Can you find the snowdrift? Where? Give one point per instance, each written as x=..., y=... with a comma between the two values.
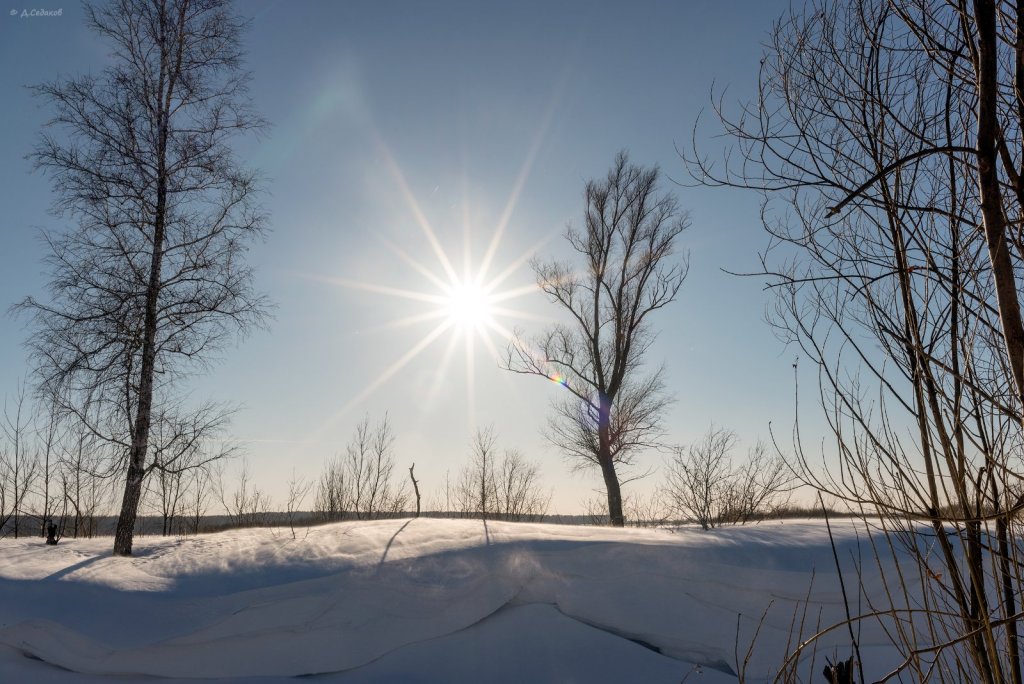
x=425, y=600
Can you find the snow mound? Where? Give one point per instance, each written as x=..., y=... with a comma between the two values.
x=420, y=600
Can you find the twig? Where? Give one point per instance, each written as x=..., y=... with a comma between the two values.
x=842, y=586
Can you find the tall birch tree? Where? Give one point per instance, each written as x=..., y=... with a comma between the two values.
x=151, y=280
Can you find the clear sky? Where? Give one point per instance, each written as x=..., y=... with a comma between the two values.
x=391, y=115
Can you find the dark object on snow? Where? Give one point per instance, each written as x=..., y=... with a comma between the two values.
x=51, y=534
x=415, y=486
x=840, y=673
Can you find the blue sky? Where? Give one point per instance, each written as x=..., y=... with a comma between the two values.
x=463, y=104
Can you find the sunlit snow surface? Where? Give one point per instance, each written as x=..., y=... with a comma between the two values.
x=428, y=601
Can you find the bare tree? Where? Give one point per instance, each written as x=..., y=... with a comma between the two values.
x=18, y=469
x=501, y=486
x=49, y=436
x=475, y=489
x=761, y=485
x=887, y=141
x=179, y=445
x=611, y=410
x=362, y=481
x=169, y=491
x=198, y=494
x=84, y=485
x=521, y=494
x=152, y=282
x=298, y=490
x=697, y=477
x=703, y=483
x=246, y=505
x=333, y=491
x=370, y=461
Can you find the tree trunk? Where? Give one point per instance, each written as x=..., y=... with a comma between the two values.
x=125, y=532
x=143, y=417
x=611, y=478
x=170, y=69
x=995, y=233
x=991, y=197
x=611, y=483
x=416, y=488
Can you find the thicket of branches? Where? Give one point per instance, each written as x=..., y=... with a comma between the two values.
x=887, y=140
x=363, y=482
x=499, y=486
x=245, y=504
x=52, y=469
x=705, y=484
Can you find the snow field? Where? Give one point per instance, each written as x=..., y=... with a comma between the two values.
x=426, y=600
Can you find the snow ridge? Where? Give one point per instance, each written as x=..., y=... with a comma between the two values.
x=407, y=600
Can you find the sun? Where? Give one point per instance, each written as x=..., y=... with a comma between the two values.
x=469, y=306
x=471, y=310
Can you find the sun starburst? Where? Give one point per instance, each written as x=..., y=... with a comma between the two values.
x=471, y=309
x=470, y=305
